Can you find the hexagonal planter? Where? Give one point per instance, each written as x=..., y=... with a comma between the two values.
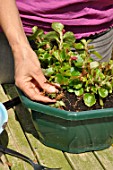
x=73, y=132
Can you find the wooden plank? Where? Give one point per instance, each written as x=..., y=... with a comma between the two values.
x=17, y=140
x=3, y=162
x=105, y=157
x=46, y=156
x=86, y=161
x=3, y=165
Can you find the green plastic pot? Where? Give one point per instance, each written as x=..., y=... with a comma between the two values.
x=73, y=132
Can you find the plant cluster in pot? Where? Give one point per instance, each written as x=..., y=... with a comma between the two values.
x=78, y=121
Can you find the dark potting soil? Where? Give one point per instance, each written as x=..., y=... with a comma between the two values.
x=76, y=104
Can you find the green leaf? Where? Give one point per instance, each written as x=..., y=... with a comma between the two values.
x=84, y=42
x=65, y=73
x=34, y=29
x=74, y=72
x=51, y=36
x=41, y=44
x=79, y=46
x=77, y=85
x=49, y=71
x=72, y=82
x=89, y=99
x=84, y=79
x=96, y=54
x=58, y=27
x=59, y=104
x=56, y=55
x=40, y=51
x=62, y=55
x=101, y=102
x=109, y=85
x=88, y=41
x=79, y=92
x=69, y=37
x=83, y=54
x=94, y=64
x=61, y=79
x=103, y=92
x=65, y=67
x=79, y=61
x=58, y=78
x=94, y=89
x=112, y=82
x=46, y=56
x=87, y=88
x=36, y=32
x=99, y=74
x=70, y=90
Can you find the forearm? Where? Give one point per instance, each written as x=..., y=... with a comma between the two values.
x=11, y=24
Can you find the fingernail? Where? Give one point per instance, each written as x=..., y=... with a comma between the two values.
x=55, y=91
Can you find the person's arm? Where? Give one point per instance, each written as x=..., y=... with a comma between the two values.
x=28, y=74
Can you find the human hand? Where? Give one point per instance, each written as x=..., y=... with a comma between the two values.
x=29, y=77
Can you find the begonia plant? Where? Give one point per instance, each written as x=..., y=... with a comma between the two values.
x=69, y=63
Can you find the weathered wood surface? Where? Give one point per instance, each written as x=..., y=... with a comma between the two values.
x=21, y=135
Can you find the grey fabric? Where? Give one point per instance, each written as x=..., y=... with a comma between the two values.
x=6, y=61
x=102, y=44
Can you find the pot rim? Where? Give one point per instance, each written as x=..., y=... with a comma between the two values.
x=63, y=114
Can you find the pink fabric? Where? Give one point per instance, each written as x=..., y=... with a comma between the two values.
x=83, y=17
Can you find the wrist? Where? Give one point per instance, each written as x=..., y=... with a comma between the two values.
x=24, y=52
x=21, y=52
x=19, y=44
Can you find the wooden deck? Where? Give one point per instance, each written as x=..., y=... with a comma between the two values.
x=21, y=136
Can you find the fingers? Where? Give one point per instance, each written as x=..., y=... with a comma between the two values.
x=45, y=84
x=30, y=79
x=32, y=92
x=54, y=84
x=39, y=97
x=33, y=95
x=49, y=88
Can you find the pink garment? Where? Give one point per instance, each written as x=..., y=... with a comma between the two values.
x=83, y=17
